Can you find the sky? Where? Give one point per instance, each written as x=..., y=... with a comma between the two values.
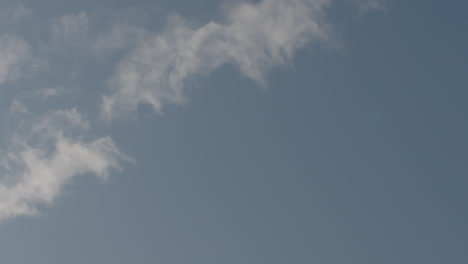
x=224, y=131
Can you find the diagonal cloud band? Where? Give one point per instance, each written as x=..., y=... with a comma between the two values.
x=255, y=38
x=47, y=151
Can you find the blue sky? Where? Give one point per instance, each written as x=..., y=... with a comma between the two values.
x=272, y=131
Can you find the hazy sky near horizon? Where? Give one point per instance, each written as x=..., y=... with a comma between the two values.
x=223, y=131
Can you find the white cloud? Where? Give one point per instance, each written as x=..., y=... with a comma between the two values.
x=45, y=156
x=14, y=54
x=13, y=14
x=255, y=37
x=370, y=5
x=118, y=37
x=17, y=107
x=47, y=93
x=70, y=30
x=48, y=151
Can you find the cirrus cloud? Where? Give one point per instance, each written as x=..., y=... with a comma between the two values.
x=45, y=155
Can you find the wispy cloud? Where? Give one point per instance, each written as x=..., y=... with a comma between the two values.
x=17, y=107
x=45, y=155
x=48, y=149
x=14, y=54
x=70, y=30
x=118, y=36
x=13, y=14
x=369, y=5
x=254, y=37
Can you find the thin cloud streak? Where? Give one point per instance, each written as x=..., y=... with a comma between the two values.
x=45, y=155
x=15, y=53
x=48, y=151
x=254, y=37
x=14, y=14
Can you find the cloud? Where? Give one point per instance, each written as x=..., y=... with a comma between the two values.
x=45, y=155
x=14, y=54
x=254, y=37
x=17, y=107
x=118, y=37
x=13, y=14
x=44, y=94
x=70, y=30
x=368, y=5
x=47, y=151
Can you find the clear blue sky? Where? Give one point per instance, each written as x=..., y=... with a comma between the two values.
x=299, y=131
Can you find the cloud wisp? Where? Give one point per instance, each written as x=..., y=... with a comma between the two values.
x=50, y=148
x=70, y=30
x=254, y=37
x=14, y=54
x=13, y=14
x=45, y=155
